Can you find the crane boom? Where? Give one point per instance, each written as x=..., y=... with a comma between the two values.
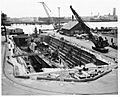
x=46, y=7
x=83, y=25
x=99, y=42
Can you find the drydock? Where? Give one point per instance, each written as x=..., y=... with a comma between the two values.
x=51, y=63
x=77, y=64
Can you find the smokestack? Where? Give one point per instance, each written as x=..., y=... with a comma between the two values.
x=114, y=11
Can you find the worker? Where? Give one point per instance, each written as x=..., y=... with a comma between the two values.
x=32, y=45
x=11, y=46
x=40, y=31
x=55, y=55
x=100, y=39
x=35, y=30
x=106, y=39
x=36, y=49
x=112, y=43
x=111, y=40
x=29, y=67
x=49, y=51
x=106, y=42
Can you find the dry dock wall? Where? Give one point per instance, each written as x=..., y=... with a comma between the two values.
x=70, y=53
x=74, y=55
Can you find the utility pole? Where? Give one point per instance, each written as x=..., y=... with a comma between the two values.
x=59, y=16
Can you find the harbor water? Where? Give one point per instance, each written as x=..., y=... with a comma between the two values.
x=105, y=85
x=29, y=29
x=101, y=24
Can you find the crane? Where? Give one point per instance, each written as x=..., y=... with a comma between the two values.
x=99, y=43
x=50, y=18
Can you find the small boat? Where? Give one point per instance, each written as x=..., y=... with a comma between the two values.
x=102, y=50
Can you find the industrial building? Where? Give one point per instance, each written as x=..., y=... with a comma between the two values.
x=71, y=28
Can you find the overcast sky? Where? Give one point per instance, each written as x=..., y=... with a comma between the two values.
x=31, y=8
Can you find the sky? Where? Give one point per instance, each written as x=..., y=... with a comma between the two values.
x=31, y=8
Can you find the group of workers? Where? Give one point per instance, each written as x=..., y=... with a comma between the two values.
x=34, y=48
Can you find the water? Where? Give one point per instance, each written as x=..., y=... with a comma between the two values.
x=102, y=24
x=29, y=29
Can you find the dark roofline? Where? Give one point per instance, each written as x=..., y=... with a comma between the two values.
x=71, y=28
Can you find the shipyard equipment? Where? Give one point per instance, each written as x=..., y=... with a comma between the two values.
x=49, y=17
x=99, y=43
x=46, y=7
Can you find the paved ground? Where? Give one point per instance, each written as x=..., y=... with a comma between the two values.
x=108, y=84
x=11, y=85
x=88, y=45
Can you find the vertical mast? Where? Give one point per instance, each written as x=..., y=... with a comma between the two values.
x=59, y=16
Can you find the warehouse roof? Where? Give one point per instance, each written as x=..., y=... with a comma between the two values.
x=70, y=25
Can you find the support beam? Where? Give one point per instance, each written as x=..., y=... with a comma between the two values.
x=28, y=54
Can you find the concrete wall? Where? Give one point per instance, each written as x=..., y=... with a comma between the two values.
x=74, y=56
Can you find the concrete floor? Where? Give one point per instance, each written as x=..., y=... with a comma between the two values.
x=107, y=84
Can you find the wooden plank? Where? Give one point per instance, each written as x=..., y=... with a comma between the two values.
x=28, y=54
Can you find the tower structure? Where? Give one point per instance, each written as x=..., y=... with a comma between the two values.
x=114, y=11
